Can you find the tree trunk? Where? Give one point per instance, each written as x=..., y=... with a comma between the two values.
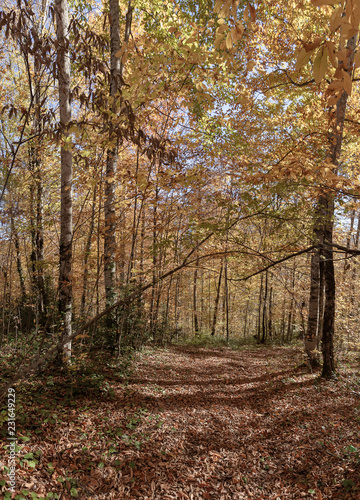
x=111, y=161
x=335, y=137
x=258, y=336
x=264, y=311
x=329, y=307
x=18, y=260
x=87, y=255
x=313, y=313
x=213, y=328
x=65, y=277
x=226, y=283
x=195, y=311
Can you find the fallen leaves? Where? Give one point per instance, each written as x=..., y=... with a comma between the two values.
x=210, y=424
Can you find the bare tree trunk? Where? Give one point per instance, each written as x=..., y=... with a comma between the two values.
x=353, y=276
x=270, y=312
x=213, y=327
x=18, y=259
x=116, y=69
x=258, y=336
x=291, y=309
x=348, y=241
x=264, y=311
x=329, y=308
x=226, y=283
x=335, y=137
x=313, y=313
x=87, y=255
x=195, y=311
x=246, y=316
x=111, y=161
x=155, y=263
x=65, y=277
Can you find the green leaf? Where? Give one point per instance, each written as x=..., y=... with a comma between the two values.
x=348, y=484
x=101, y=465
x=312, y=492
x=351, y=449
x=74, y=492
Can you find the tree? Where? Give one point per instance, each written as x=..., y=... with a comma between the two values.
x=66, y=233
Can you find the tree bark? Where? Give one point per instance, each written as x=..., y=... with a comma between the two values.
x=87, y=255
x=195, y=311
x=213, y=327
x=335, y=137
x=18, y=259
x=313, y=313
x=111, y=161
x=65, y=276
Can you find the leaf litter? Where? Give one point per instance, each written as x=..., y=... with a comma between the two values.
x=200, y=423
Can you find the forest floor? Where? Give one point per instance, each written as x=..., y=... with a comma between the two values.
x=194, y=423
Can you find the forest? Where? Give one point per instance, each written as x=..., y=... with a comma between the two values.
x=179, y=249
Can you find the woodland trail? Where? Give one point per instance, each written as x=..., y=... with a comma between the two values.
x=238, y=425
x=201, y=423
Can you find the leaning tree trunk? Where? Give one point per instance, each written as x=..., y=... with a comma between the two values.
x=65, y=284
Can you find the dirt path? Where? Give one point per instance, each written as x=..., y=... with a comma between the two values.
x=199, y=424
x=238, y=425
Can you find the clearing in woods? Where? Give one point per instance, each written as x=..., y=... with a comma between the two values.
x=203, y=423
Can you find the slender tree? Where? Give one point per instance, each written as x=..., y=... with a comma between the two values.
x=65, y=277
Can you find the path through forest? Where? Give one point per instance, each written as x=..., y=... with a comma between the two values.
x=200, y=423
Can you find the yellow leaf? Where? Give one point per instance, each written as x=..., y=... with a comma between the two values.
x=246, y=15
x=218, y=5
x=333, y=100
x=252, y=12
x=347, y=83
x=357, y=59
x=239, y=27
x=234, y=7
x=320, y=64
x=303, y=58
x=229, y=41
x=331, y=50
x=224, y=12
x=336, y=84
x=221, y=29
x=320, y=3
x=335, y=19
